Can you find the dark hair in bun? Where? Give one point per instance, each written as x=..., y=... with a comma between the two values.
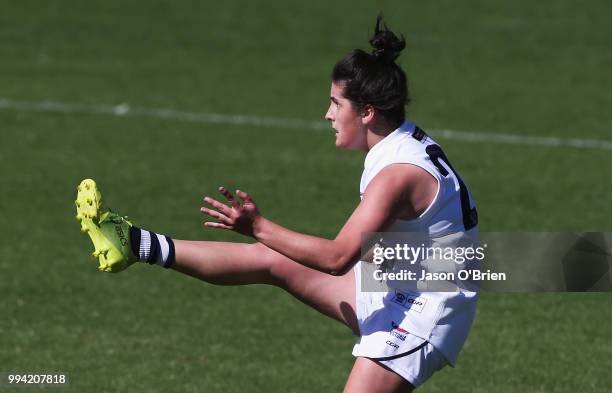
x=387, y=46
x=374, y=78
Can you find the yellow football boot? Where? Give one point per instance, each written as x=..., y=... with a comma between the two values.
x=109, y=232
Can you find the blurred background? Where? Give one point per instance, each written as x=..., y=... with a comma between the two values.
x=161, y=102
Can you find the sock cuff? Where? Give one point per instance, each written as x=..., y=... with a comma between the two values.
x=145, y=245
x=152, y=248
x=135, y=240
x=171, y=253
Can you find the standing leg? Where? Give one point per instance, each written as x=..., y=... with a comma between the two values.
x=368, y=376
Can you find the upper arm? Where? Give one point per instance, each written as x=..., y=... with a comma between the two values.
x=399, y=191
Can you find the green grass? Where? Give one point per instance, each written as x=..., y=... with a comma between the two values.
x=521, y=67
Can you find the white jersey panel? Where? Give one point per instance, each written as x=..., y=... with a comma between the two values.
x=445, y=214
x=442, y=318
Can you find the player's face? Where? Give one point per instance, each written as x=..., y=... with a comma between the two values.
x=350, y=130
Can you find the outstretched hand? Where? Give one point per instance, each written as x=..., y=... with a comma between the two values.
x=239, y=216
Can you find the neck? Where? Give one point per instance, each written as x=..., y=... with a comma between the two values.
x=378, y=131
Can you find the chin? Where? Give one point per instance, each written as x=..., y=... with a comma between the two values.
x=345, y=146
x=343, y=143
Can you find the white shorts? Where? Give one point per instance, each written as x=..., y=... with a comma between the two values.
x=418, y=366
x=383, y=339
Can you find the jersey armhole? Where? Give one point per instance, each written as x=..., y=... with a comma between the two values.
x=430, y=208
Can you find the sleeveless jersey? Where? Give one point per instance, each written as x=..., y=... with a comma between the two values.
x=442, y=318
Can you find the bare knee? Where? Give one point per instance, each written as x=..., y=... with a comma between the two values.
x=280, y=268
x=275, y=265
x=284, y=272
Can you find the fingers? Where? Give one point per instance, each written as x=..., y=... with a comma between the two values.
x=228, y=195
x=218, y=225
x=223, y=221
x=221, y=207
x=231, y=217
x=244, y=196
x=215, y=214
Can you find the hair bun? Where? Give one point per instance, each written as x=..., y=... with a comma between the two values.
x=387, y=46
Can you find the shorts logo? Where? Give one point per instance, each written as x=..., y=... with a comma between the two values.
x=413, y=303
x=398, y=332
x=395, y=326
x=392, y=344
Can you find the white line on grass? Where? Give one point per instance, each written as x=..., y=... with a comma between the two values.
x=276, y=122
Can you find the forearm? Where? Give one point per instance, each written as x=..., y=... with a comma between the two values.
x=317, y=253
x=242, y=216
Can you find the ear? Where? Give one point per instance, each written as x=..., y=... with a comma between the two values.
x=367, y=114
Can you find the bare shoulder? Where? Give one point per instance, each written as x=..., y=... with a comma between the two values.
x=406, y=188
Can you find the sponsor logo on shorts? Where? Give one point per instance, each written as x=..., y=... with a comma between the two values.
x=395, y=326
x=413, y=303
x=392, y=344
x=398, y=332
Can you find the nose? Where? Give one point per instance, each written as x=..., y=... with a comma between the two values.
x=328, y=115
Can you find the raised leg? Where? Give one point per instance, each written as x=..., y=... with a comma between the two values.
x=224, y=263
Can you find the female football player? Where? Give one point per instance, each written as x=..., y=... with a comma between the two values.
x=407, y=185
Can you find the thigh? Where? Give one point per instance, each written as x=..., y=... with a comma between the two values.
x=331, y=295
x=369, y=376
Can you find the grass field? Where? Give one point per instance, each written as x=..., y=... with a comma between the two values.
x=525, y=68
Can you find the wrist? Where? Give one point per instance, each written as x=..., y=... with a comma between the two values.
x=258, y=225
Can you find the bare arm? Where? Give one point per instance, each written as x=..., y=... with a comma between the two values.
x=398, y=191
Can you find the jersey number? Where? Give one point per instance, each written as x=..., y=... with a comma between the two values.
x=470, y=215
